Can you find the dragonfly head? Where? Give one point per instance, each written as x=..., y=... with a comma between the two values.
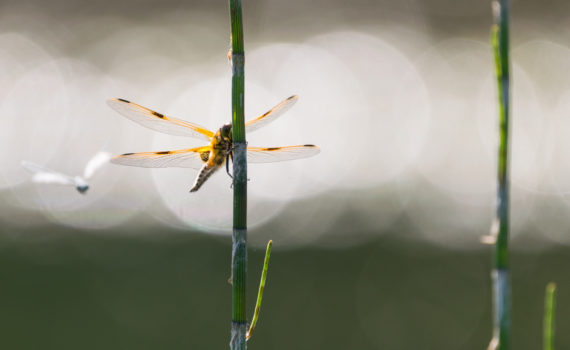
x=226, y=132
x=82, y=189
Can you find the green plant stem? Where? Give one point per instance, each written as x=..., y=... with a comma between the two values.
x=501, y=284
x=549, y=305
x=260, y=292
x=239, y=236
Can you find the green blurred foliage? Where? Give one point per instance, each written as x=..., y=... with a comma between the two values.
x=64, y=289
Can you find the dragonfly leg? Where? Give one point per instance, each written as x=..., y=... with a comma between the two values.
x=228, y=164
x=228, y=157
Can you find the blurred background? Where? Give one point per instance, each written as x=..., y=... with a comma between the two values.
x=376, y=240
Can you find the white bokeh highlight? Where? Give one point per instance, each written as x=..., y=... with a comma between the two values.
x=406, y=122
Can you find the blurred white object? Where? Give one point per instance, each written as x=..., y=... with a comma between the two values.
x=491, y=238
x=488, y=239
x=44, y=175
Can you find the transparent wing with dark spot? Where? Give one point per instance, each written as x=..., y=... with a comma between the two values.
x=280, y=154
x=270, y=115
x=157, y=121
x=185, y=158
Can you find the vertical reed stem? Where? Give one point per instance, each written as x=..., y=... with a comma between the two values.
x=239, y=236
x=500, y=275
x=549, y=305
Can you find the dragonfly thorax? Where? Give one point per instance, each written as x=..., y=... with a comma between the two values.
x=222, y=140
x=79, y=181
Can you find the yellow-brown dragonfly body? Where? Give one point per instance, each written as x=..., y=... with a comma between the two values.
x=220, y=150
x=209, y=158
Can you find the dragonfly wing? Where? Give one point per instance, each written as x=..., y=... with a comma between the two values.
x=98, y=160
x=185, y=158
x=45, y=175
x=270, y=115
x=159, y=122
x=52, y=178
x=33, y=167
x=279, y=154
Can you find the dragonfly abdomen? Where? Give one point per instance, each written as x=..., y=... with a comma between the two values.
x=206, y=171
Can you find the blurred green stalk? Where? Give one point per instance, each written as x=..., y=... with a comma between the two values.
x=239, y=236
x=500, y=275
x=260, y=291
x=549, y=305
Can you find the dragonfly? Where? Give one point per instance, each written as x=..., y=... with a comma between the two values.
x=211, y=157
x=45, y=175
